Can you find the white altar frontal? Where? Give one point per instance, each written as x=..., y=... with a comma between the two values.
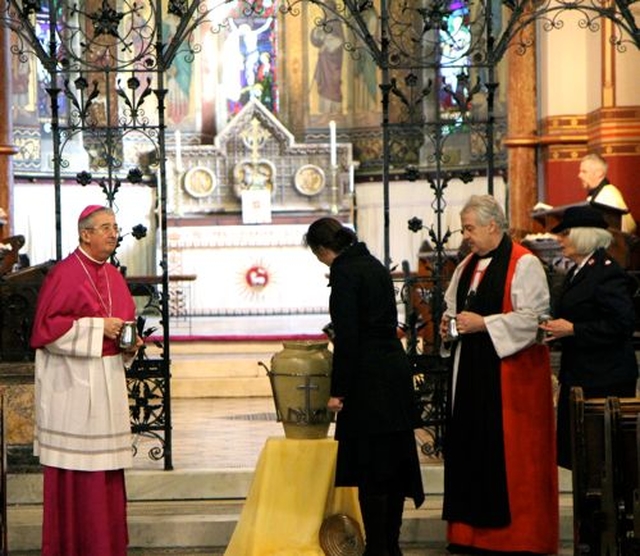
x=249, y=270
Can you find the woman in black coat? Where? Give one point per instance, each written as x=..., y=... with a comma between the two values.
x=594, y=319
x=371, y=386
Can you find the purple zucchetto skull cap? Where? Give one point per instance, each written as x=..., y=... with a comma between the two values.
x=89, y=210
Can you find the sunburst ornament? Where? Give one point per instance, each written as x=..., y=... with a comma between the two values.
x=257, y=277
x=256, y=281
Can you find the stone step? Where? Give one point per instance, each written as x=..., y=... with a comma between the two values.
x=201, y=508
x=210, y=523
x=220, y=369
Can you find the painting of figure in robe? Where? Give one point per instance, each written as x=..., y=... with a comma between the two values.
x=247, y=55
x=327, y=77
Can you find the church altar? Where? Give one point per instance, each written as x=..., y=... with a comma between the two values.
x=238, y=211
x=248, y=270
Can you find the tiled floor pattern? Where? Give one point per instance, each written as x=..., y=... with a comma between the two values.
x=216, y=433
x=219, y=433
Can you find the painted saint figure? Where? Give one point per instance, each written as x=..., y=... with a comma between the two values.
x=329, y=40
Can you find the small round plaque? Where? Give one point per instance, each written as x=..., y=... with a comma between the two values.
x=309, y=179
x=199, y=182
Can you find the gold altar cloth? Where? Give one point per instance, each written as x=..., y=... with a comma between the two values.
x=290, y=495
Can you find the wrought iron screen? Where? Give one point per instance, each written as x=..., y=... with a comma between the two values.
x=437, y=65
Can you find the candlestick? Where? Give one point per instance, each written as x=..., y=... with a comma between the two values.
x=335, y=194
x=178, y=151
x=332, y=141
x=352, y=179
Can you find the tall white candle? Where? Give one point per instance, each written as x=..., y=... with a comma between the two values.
x=178, y=151
x=352, y=179
x=333, y=145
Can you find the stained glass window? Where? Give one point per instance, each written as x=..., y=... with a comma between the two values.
x=248, y=61
x=455, y=41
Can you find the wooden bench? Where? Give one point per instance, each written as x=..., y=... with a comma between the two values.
x=605, y=445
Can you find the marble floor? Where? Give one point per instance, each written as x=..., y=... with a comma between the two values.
x=229, y=433
x=223, y=433
x=216, y=433
x=220, y=433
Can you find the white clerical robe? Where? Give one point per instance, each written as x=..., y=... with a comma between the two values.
x=81, y=402
x=611, y=196
x=509, y=332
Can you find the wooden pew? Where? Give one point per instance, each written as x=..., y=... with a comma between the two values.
x=4, y=548
x=622, y=443
x=605, y=445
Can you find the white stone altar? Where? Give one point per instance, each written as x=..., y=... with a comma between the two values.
x=248, y=270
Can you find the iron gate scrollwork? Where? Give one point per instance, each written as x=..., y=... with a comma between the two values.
x=149, y=379
x=105, y=64
x=431, y=382
x=150, y=415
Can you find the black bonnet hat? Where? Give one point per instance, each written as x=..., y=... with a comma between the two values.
x=580, y=217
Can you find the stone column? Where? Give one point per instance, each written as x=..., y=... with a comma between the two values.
x=521, y=137
x=7, y=150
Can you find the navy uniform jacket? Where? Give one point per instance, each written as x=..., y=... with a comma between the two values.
x=598, y=301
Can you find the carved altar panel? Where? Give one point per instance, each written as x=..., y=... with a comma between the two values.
x=249, y=270
x=255, y=151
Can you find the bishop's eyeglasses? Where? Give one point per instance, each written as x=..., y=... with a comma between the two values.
x=106, y=228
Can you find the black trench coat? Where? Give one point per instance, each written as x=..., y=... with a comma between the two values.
x=372, y=373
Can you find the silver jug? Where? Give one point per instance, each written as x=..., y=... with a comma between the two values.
x=128, y=335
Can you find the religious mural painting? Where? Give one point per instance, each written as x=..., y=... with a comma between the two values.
x=247, y=60
x=183, y=106
x=31, y=108
x=342, y=77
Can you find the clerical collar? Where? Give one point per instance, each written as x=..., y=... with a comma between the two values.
x=487, y=255
x=593, y=192
x=89, y=256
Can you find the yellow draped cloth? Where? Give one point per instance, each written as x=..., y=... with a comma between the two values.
x=291, y=493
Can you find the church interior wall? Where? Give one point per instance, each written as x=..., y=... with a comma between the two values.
x=593, y=73
x=565, y=68
x=414, y=199
x=34, y=218
x=588, y=102
x=627, y=83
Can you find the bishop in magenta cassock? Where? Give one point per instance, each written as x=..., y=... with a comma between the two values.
x=83, y=435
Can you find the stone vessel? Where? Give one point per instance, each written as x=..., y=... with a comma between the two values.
x=300, y=377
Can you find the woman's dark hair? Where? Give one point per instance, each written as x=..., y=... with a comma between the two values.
x=330, y=234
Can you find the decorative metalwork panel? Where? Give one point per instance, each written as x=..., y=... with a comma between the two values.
x=431, y=380
x=148, y=379
x=421, y=297
x=105, y=66
x=148, y=387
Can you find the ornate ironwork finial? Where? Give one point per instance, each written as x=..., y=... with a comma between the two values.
x=106, y=20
